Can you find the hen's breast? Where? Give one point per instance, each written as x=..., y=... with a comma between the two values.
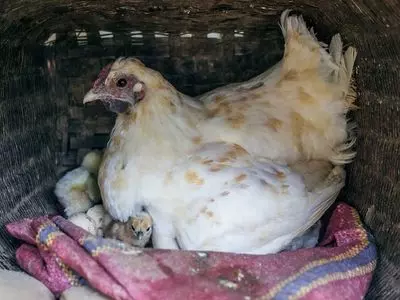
x=132, y=175
x=115, y=185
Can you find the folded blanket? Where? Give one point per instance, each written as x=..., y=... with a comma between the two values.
x=62, y=255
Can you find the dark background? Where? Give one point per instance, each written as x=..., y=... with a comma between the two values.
x=45, y=130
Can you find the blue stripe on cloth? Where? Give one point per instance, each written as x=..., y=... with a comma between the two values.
x=46, y=231
x=98, y=244
x=364, y=257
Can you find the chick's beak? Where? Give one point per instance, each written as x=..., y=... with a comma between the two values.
x=139, y=235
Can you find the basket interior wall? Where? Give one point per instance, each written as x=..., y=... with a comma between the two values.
x=50, y=55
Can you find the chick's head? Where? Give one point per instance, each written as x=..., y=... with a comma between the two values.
x=142, y=225
x=91, y=161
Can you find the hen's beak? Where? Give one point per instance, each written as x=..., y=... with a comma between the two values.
x=111, y=104
x=92, y=96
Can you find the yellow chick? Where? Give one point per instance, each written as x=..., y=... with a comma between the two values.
x=78, y=190
x=91, y=221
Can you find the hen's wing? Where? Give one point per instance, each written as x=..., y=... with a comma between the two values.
x=313, y=171
x=223, y=200
x=295, y=110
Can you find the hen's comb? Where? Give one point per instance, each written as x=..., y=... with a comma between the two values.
x=102, y=75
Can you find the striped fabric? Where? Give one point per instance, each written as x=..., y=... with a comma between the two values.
x=340, y=267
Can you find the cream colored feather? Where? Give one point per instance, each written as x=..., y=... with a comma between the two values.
x=250, y=166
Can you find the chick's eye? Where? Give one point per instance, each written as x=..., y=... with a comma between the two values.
x=148, y=229
x=121, y=82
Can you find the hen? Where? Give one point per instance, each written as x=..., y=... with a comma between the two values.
x=248, y=167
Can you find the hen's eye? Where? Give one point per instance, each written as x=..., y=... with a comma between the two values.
x=121, y=82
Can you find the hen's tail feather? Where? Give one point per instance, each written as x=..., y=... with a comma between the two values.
x=302, y=50
x=345, y=154
x=335, y=49
x=349, y=60
x=343, y=75
x=323, y=196
x=303, y=53
x=301, y=42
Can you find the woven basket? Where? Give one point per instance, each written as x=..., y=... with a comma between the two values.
x=50, y=54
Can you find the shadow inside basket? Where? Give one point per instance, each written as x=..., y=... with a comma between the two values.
x=61, y=254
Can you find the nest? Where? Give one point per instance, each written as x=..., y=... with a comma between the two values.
x=52, y=52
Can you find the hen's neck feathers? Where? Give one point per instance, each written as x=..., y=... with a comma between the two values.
x=164, y=122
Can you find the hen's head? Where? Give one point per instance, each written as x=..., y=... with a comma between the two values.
x=123, y=84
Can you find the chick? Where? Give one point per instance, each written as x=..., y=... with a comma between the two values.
x=83, y=221
x=137, y=231
x=91, y=221
x=78, y=190
x=97, y=214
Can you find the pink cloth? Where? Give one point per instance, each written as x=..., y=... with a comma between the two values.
x=61, y=255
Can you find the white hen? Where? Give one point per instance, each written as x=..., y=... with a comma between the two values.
x=250, y=170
